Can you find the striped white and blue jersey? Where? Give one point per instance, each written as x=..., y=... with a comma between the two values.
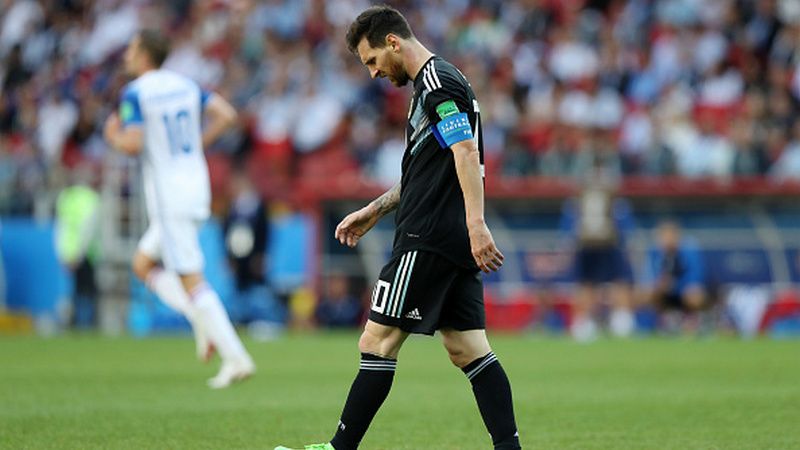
x=169, y=108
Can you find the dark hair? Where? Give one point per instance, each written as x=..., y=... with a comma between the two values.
x=155, y=44
x=375, y=23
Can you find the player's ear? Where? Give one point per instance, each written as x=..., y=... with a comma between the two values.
x=393, y=42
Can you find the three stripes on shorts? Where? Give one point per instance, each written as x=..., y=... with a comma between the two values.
x=392, y=305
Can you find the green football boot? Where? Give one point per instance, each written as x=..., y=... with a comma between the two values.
x=310, y=447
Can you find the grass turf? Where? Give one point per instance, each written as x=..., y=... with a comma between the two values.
x=88, y=392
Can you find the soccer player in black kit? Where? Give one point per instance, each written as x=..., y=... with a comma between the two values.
x=432, y=281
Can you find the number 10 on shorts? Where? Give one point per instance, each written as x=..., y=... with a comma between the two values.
x=379, y=294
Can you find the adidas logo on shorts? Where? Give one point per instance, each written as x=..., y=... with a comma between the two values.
x=413, y=314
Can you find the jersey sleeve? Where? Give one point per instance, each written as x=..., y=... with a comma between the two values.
x=447, y=105
x=130, y=112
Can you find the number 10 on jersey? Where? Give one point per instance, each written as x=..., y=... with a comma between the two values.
x=178, y=128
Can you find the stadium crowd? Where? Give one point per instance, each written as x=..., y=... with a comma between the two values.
x=693, y=88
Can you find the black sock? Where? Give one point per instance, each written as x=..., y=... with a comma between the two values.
x=366, y=396
x=493, y=394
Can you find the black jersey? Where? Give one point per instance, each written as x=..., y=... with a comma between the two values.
x=431, y=214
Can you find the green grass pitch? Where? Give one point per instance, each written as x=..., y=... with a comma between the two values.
x=86, y=392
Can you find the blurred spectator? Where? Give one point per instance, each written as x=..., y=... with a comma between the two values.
x=115, y=24
x=787, y=167
x=57, y=118
x=571, y=60
x=597, y=223
x=749, y=157
x=675, y=273
x=319, y=115
x=20, y=18
x=686, y=88
x=15, y=73
x=557, y=160
x=518, y=160
x=338, y=307
x=716, y=148
x=664, y=80
x=246, y=231
x=77, y=243
x=388, y=160
x=637, y=140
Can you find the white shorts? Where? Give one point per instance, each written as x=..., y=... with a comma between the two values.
x=175, y=242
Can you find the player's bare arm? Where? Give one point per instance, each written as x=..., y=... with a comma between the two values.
x=356, y=224
x=127, y=140
x=468, y=168
x=221, y=116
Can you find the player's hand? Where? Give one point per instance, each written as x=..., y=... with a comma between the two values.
x=355, y=225
x=486, y=254
x=111, y=128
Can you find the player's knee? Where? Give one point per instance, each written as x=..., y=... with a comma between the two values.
x=376, y=345
x=141, y=266
x=459, y=358
x=366, y=343
x=386, y=346
x=457, y=352
x=370, y=343
x=463, y=348
x=191, y=281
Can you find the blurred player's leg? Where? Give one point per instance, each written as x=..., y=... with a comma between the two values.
x=470, y=351
x=167, y=286
x=181, y=253
x=236, y=362
x=584, y=328
x=621, y=321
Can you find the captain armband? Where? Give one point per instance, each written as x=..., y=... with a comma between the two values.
x=454, y=128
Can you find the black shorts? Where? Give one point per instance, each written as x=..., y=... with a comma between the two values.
x=602, y=265
x=421, y=292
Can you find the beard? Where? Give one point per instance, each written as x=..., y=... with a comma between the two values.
x=398, y=75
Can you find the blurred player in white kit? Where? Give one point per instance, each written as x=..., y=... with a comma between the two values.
x=160, y=116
